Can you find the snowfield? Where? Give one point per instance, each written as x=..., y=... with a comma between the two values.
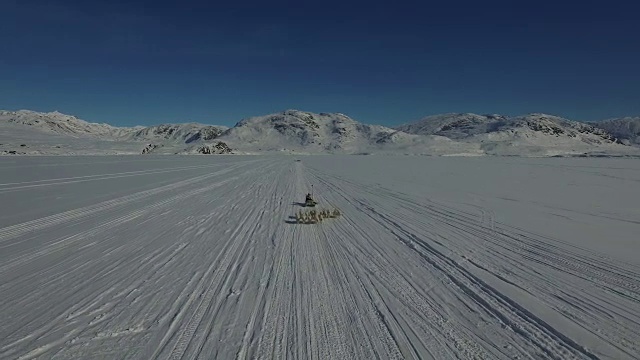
x=156, y=257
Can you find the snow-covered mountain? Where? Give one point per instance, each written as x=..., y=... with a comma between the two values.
x=58, y=123
x=533, y=134
x=182, y=133
x=626, y=129
x=294, y=131
x=452, y=125
x=461, y=126
x=31, y=132
x=300, y=132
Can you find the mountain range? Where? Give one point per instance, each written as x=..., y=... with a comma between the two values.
x=299, y=132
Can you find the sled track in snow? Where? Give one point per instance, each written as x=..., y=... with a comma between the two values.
x=424, y=227
x=220, y=272
x=211, y=265
x=76, y=179
x=72, y=215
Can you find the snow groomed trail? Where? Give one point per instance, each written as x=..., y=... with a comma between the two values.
x=202, y=259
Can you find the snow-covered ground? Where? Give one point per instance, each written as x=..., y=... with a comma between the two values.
x=435, y=258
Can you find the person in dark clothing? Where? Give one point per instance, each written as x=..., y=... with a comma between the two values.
x=309, y=201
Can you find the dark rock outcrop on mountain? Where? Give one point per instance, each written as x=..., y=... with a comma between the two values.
x=217, y=148
x=149, y=148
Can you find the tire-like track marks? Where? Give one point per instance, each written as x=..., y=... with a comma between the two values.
x=213, y=266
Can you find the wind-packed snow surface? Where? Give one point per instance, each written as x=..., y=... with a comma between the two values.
x=433, y=258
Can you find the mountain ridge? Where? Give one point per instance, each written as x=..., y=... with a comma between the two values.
x=627, y=128
x=300, y=132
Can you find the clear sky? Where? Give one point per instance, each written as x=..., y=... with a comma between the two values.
x=128, y=62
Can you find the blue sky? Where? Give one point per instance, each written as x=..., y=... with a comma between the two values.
x=129, y=62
